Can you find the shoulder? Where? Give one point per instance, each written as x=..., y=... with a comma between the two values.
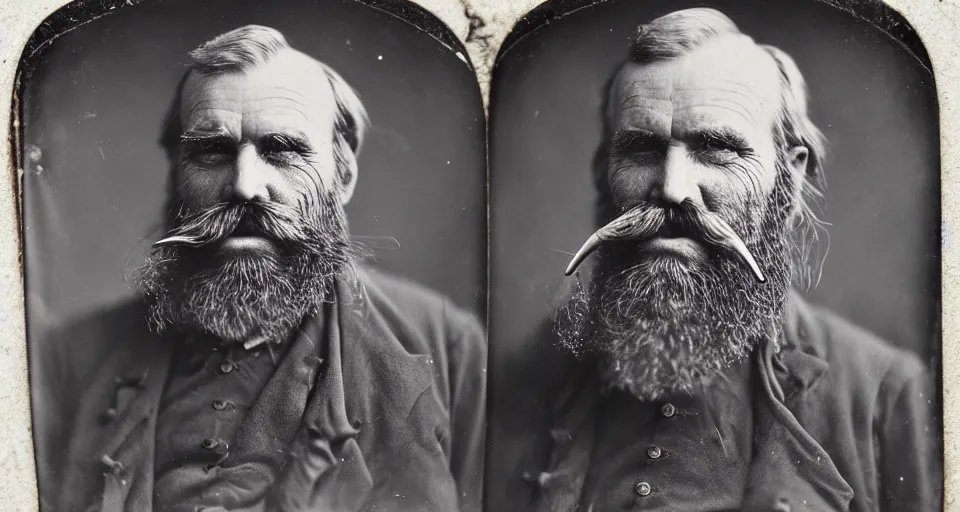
x=430, y=317
x=860, y=356
x=84, y=345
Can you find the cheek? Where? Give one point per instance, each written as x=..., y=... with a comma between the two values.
x=303, y=184
x=727, y=191
x=629, y=182
x=200, y=188
x=316, y=173
x=743, y=210
x=743, y=188
x=765, y=168
x=324, y=165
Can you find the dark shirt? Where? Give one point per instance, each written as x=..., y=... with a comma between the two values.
x=687, y=452
x=209, y=392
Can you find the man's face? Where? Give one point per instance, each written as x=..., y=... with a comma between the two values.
x=263, y=134
x=669, y=310
x=257, y=231
x=698, y=127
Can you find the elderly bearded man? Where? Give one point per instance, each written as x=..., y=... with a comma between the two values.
x=278, y=375
x=705, y=383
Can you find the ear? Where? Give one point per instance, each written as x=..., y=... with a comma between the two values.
x=350, y=161
x=797, y=159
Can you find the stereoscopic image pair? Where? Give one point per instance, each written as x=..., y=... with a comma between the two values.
x=279, y=258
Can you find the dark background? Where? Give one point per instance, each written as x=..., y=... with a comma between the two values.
x=874, y=101
x=95, y=105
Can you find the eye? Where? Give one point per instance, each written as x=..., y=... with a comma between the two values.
x=721, y=149
x=208, y=151
x=210, y=155
x=282, y=156
x=284, y=149
x=717, y=145
x=644, y=158
x=637, y=148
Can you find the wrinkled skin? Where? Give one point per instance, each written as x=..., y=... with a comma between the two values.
x=671, y=304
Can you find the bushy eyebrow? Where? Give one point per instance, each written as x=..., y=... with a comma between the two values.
x=272, y=142
x=207, y=140
x=637, y=140
x=626, y=141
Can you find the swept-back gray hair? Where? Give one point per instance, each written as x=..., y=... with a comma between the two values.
x=252, y=46
x=681, y=32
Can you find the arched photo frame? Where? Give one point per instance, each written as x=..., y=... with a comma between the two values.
x=484, y=29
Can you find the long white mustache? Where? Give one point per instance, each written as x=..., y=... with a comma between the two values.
x=643, y=222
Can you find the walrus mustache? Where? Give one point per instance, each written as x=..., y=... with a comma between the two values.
x=281, y=223
x=689, y=218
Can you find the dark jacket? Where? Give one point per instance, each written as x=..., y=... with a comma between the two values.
x=401, y=427
x=842, y=421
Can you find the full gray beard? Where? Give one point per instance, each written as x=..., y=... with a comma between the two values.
x=244, y=298
x=659, y=326
x=247, y=297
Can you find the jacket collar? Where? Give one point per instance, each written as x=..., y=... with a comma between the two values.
x=791, y=468
x=798, y=360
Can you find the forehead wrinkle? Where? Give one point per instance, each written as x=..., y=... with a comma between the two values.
x=223, y=88
x=648, y=95
x=703, y=119
x=288, y=89
x=647, y=117
x=748, y=95
x=230, y=115
x=625, y=102
x=200, y=105
x=281, y=98
x=717, y=86
x=231, y=104
x=741, y=85
x=649, y=86
x=733, y=106
x=280, y=107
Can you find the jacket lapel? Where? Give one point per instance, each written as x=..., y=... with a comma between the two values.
x=326, y=469
x=379, y=374
x=790, y=470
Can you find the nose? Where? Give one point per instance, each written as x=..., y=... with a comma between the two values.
x=250, y=180
x=678, y=180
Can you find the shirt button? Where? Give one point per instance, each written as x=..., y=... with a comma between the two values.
x=226, y=368
x=668, y=410
x=210, y=443
x=654, y=452
x=643, y=489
